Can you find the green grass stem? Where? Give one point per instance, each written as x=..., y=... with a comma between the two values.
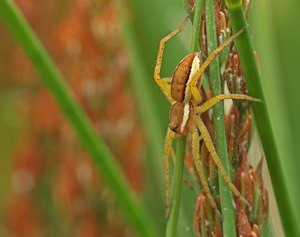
x=171, y=228
x=262, y=119
x=228, y=213
x=196, y=25
x=102, y=157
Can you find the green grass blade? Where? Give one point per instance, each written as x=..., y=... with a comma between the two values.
x=262, y=119
x=53, y=79
x=171, y=228
x=196, y=25
x=176, y=188
x=228, y=214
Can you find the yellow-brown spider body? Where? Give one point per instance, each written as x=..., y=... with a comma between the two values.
x=182, y=109
x=182, y=77
x=181, y=115
x=185, y=115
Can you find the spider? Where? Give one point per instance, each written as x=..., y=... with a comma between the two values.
x=186, y=108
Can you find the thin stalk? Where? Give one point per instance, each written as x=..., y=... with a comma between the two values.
x=102, y=157
x=262, y=119
x=171, y=228
x=228, y=214
x=196, y=25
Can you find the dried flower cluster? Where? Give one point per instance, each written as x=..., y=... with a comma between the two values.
x=249, y=219
x=55, y=189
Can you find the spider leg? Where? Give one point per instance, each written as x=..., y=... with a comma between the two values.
x=211, y=102
x=184, y=179
x=168, y=79
x=164, y=86
x=167, y=150
x=200, y=171
x=210, y=147
x=209, y=59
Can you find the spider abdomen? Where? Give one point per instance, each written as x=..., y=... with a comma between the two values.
x=182, y=76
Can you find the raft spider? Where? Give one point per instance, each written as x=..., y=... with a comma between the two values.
x=185, y=115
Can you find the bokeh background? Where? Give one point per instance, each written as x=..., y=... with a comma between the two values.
x=48, y=185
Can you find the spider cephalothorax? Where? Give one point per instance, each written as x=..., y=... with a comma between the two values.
x=181, y=117
x=185, y=114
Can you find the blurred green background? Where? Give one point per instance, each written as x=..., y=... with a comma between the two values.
x=274, y=27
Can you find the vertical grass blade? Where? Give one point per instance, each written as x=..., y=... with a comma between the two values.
x=196, y=25
x=176, y=188
x=228, y=214
x=180, y=153
x=53, y=79
x=262, y=119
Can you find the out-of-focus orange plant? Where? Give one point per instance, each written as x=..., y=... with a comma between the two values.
x=55, y=190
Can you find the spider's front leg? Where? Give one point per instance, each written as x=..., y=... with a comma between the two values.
x=167, y=150
x=163, y=84
x=184, y=179
x=197, y=77
x=211, y=149
x=199, y=168
x=216, y=99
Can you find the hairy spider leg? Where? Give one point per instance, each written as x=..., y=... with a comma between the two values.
x=163, y=84
x=200, y=171
x=216, y=99
x=184, y=179
x=168, y=79
x=211, y=149
x=167, y=150
x=193, y=84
